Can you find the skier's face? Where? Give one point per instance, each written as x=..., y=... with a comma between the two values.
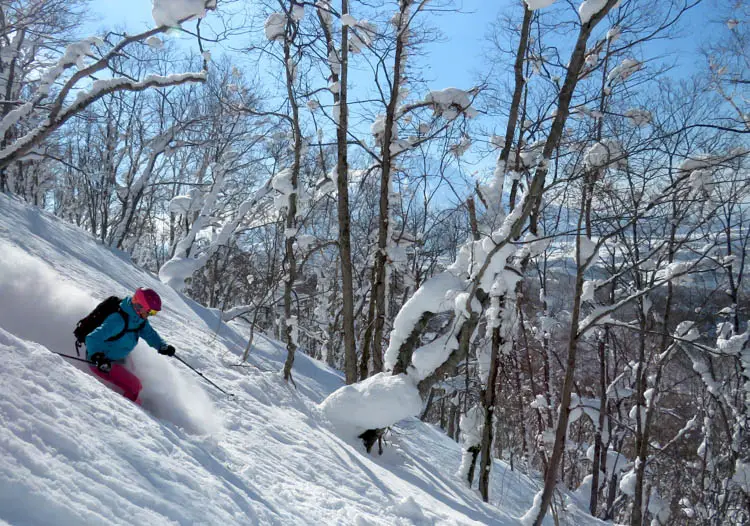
x=144, y=312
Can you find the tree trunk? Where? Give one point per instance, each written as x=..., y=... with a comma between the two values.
x=598, y=452
x=520, y=406
x=488, y=404
x=519, y=83
x=350, y=351
x=428, y=405
x=364, y=365
x=379, y=274
x=535, y=190
x=290, y=263
x=550, y=477
x=452, y=420
x=474, y=450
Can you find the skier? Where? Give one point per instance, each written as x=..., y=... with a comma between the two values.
x=108, y=345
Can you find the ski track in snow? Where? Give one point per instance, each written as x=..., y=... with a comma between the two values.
x=73, y=452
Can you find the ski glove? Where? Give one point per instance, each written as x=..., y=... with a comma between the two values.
x=101, y=362
x=167, y=350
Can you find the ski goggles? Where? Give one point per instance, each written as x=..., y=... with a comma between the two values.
x=142, y=310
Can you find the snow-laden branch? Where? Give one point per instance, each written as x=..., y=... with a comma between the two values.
x=166, y=12
x=134, y=192
x=602, y=314
x=202, y=221
x=175, y=271
x=84, y=99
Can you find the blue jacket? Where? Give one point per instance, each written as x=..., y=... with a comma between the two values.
x=112, y=326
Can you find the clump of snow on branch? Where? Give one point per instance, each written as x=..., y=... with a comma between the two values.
x=185, y=204
x=613, y=35
x=674, y=270
x=336, y=112
x=376, y=402
x=589, y=287
x=291, y=67
x=154, y=42
x=450, y=103
x=589, y=8
x=431, y=295
x=583, y=406
x=603, y=154
x=293, y=324
x=471, y=425
x=624, y=70
x=171, y=12
x=529, y=155
x=627, y=483
x=583, y=111
x=636, y=412
x=587, y=248
x=461, y=147
x=324, y=9
x=483, y=261
x=334, y=62
x=639, y=117
x=75, y=55
x=538, y=4
x=275, y=26
x=430, y=356
x=686, y=331
x=175, y=271
x=701, y=181
x=493, y=192
x=378, y=127
x=699, y=162
x=282, y=183
x=298, y=12
x=733, y=345
x=399, y=145
x=326, y=185
x=361, y=36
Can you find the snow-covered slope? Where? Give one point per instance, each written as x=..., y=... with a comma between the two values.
x=73, y=452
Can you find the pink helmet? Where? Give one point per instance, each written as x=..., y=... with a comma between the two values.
x=146, y=300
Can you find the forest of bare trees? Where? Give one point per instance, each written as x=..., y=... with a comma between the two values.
x=553, y=258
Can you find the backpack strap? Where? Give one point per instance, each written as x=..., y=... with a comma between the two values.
x=125, y=326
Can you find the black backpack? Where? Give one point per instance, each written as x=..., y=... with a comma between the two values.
x=97, y=316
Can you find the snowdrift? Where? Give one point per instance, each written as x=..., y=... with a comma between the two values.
x=73, y=452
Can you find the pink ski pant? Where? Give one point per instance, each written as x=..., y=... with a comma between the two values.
x=125, y=382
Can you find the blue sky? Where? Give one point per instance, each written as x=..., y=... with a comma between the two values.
x=450, y=62
x=459, y=56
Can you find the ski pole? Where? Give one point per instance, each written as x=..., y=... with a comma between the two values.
x=72, y=357
x=202, y=376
